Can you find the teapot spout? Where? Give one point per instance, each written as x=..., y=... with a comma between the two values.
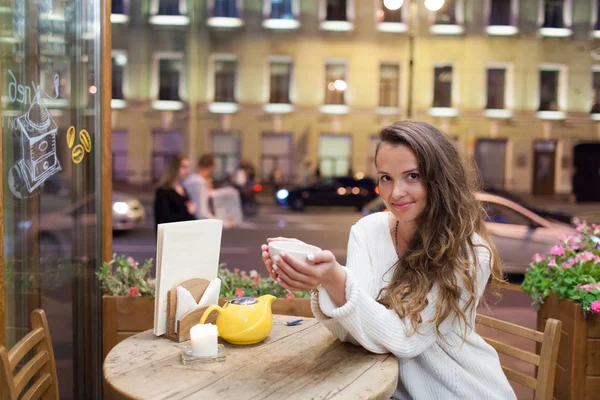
x=266, y=300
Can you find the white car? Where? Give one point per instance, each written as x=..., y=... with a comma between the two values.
x=127, y=212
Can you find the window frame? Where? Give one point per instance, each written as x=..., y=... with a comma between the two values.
x=225, y=22
x=335, y=108
x=337, y=26
x=566, y=30
x=279, y=108
x=277, y=23
x=385, y=110
x=451, y=111
x=392, y=27
x=502, y=30
x=122, y=103
x=167, y=105
x=217, y=107
x=449, y=29
x=562, y=91
x=507, y=111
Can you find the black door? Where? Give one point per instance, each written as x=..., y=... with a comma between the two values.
x=586, y=179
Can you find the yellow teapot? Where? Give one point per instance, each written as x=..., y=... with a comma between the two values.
x=243, y=320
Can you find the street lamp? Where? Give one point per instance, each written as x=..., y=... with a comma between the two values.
x=431, y=5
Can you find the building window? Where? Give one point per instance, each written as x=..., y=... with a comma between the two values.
x=169, y=74
x=449, y=19
x=119, y=11
x=389, y=85
x=225, y=9
x=119, y=64
x=549, y=90
x=281, y=14
x=596, y=93
x=279, y=88
x=391, y=20
x=502, y=17
x=496, y=85
x=442, y=87
x=168, y=12
x=336, y=10
x=595, y=19
x=225, y=80
x=555, y=17
x=337, y=15
x=335, y=84
x=225, y=13
x=389, y=15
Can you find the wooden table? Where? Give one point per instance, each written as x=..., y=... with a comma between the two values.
x=295, y=362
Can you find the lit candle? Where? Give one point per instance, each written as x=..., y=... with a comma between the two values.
x=204, y=340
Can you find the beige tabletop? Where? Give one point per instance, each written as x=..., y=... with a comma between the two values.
x=295, y=362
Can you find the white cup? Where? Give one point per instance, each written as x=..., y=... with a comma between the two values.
x=295, y=249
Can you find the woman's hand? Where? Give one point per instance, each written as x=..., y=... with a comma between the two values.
x=320, y=269
x=266, y=257
x=191, y=207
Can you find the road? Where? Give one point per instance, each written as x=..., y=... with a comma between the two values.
x=240, y=246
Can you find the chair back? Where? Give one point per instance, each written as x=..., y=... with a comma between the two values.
x=545, y=362
x=38, y=374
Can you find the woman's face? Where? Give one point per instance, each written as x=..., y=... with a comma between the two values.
x=400, y=184
x=184, y=169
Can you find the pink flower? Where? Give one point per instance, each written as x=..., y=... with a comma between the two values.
x=557, y=251
x=290, y=296
x=537, y=257
x=587, y=288
x=236, y=270
x=585, y=256
x=582, y=228
x=134, y=291
x=564, y=238
x=596, y=306
x=239, y=292
x=552, y=263
x=255, y=280
x=568, y=264
x=596, y=229
x=132, y=262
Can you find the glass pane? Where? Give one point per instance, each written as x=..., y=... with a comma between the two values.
x=549, y=90
x=334, y=155
x=50, y=58
x=225, y=8
x=597, y=24
x=226, y=148
x=168, y=7
x=335, y=84
x=336, y=10
x=500, y=14
x=165, y=145
x=389, y=85
x=280, y=83
x=281, y=9
x=169, y=79
x=495, y=88
x=119, y=7
x=391, y=15
x=553, y=14
x=225, y=81
x=118, y=70
x=596, y=92
x=442, y=94
x=447, y=14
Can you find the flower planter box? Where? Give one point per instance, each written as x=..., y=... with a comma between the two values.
x=123, y=317
x=297, y=307
x=578, y=367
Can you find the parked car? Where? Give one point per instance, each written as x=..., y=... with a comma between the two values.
x=340, y=191
x=127, y=212
x=517, y=232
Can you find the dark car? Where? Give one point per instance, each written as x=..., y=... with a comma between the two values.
x=340, y=191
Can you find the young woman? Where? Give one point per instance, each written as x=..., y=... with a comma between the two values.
x=414, y=276
x=172, y=203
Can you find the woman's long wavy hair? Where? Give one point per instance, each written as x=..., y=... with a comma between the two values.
x=439, y=252
x=171, y=173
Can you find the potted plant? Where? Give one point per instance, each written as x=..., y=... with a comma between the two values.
x=128, y=301
x=238, y=283
x=565, y=285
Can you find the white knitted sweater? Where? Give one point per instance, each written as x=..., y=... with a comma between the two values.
x=429, y=367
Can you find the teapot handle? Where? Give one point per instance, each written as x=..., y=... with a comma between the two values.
x=207, y=312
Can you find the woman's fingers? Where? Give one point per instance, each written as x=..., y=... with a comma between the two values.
x=325, y=256
x=289, y=287
x=291, y=275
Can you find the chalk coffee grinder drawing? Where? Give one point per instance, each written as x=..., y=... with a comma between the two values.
x=38, y=147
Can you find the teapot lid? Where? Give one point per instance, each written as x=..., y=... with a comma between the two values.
x=244, y=301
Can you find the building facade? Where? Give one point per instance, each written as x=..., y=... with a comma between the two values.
x=298, y=84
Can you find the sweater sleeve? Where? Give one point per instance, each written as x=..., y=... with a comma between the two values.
x=379, y=329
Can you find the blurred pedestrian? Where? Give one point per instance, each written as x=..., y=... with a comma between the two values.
x=171, y=202
x=276, y=179
x=199, y=184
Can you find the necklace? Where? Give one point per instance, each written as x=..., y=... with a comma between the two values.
x=396, y=239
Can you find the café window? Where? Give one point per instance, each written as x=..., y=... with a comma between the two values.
x=555, y=17
x=336, y=88
x=59, y=89
x=443, y=76
x=224, y=82
x=449, y=19
x=497, y=97
x=391, y=17
x=119, y=12
x=280, y=75
x=168, y=81
x=502, y=17
x=225, y=13
x=119, y=66
x=337, y=15
x=281, y=14
x=168, y=12
x=389, y=85
x=595, y=110
x=552, y=92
